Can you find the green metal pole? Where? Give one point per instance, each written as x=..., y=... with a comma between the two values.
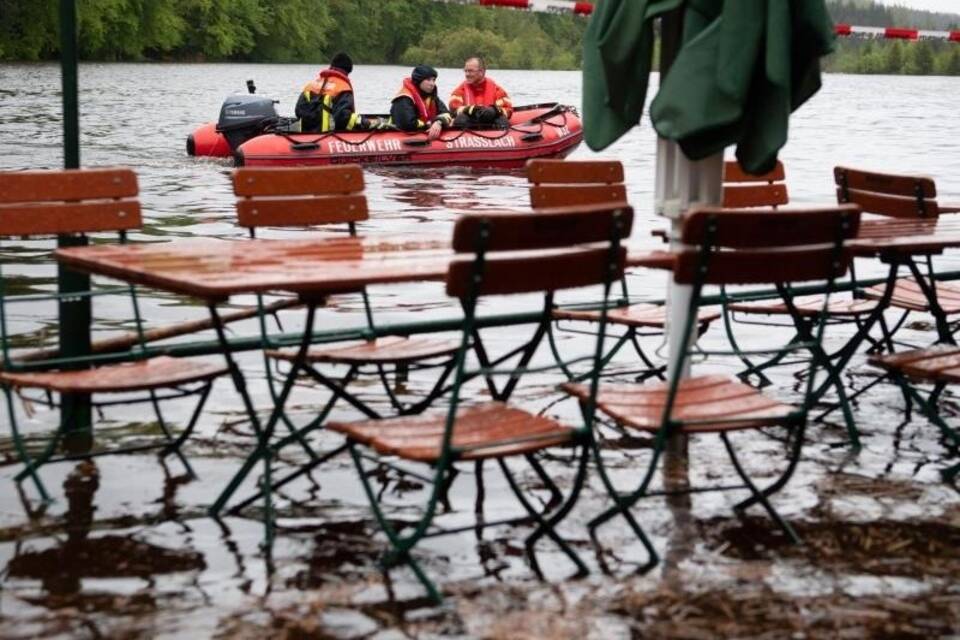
x=74, y=313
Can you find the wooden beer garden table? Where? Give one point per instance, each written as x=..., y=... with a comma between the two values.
x=213, y=270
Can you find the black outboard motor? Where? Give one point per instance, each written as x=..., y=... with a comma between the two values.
x=244, y=116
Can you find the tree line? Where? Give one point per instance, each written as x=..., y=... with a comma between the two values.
x=394, y=32
x=372, y=31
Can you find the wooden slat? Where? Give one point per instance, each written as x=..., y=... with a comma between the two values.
x=301, y=211
x=483, y=431
x=216, y=269
x=702, y=398
x=733, y=173
x=574, y=171
x=889, y=205
x=808, y=306
x=290, y=181
x=792, y=264
x=888, y=183
x=84, y=217
x=752, y=228
x=388, y=350
x=561, y=227
x=650, y=316
x=546, y=196
x=68, y=185
x=519, y=272
x=155, y=373
x=760, y=195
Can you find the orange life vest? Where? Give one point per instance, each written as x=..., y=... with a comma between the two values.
x=426, y=109
x=485, y=93
x=328, y=84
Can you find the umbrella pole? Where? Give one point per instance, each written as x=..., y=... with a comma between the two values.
x=679, y=185
x=74, y=313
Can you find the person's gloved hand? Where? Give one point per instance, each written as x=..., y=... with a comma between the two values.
x=487, y=114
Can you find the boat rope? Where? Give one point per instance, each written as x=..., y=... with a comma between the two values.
x=523, y=127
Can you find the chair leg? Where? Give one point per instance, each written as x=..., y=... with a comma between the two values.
x=622, y=506
x=556, y=496
x=29, y=468
x=744, y=375
x=171, y=448
x=547, y=525
x=758, y=495
x=400, y=547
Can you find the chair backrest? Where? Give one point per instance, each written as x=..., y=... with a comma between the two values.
x=752, y=246
x=561, y=183
x=68, y=202
x=547, y=250
x=299, y=196
x=887, y=194
x=63, y=202
x=742, y=190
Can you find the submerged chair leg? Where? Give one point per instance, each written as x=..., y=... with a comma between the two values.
x=761, y=496
x=622, y=506
x=30, y=469
x=546, y=525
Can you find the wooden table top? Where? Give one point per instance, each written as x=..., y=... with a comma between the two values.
x=216, y=269
x=907, y=235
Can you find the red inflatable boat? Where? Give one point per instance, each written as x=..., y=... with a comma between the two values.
x=535, y=131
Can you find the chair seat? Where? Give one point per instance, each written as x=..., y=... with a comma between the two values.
x=808, y=306
x=154, y=373
x=489, y=430
x=907, y=295
x=636, y=315
x=715, y=403
x=939, y=363
x=393, y=349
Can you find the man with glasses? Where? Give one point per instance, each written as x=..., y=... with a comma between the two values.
x=478, y=99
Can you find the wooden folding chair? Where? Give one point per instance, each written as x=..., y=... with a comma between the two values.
x=500, y=254
x=307, y=197
x=904, y=196
x=743, y=190
x=561, y=183
x=938, y=366
x=81, y=203
x=729, y=247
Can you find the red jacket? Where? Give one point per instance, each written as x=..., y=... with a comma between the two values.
x=485, y=93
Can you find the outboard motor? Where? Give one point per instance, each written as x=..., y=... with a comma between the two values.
x=243, y=116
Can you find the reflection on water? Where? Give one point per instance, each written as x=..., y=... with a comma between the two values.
x=127, y=548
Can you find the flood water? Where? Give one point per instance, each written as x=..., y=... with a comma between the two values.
x=126, y=550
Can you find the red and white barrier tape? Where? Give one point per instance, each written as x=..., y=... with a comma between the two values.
x=586, y=8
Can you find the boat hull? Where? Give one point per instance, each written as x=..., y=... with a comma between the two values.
x=535, y=132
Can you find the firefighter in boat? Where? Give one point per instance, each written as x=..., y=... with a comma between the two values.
x=478, y=99
x=326, y=103
x=417, y=107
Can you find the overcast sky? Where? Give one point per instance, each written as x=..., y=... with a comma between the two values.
x=945, y=6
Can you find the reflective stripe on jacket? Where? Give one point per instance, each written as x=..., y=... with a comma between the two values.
x=485, y=93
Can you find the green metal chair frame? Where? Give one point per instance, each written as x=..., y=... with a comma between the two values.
x=77, y=203
x=512, y=253
x=730, y=247
x=938, y=366
x=563, y=183
x=306, y=197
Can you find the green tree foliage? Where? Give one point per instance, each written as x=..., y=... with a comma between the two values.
x=396, y=32
x=373, y=31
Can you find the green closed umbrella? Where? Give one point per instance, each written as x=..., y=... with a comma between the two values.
x=743, y=67
x=617, y=56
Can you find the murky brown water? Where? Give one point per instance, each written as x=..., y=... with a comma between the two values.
x=127, y=551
